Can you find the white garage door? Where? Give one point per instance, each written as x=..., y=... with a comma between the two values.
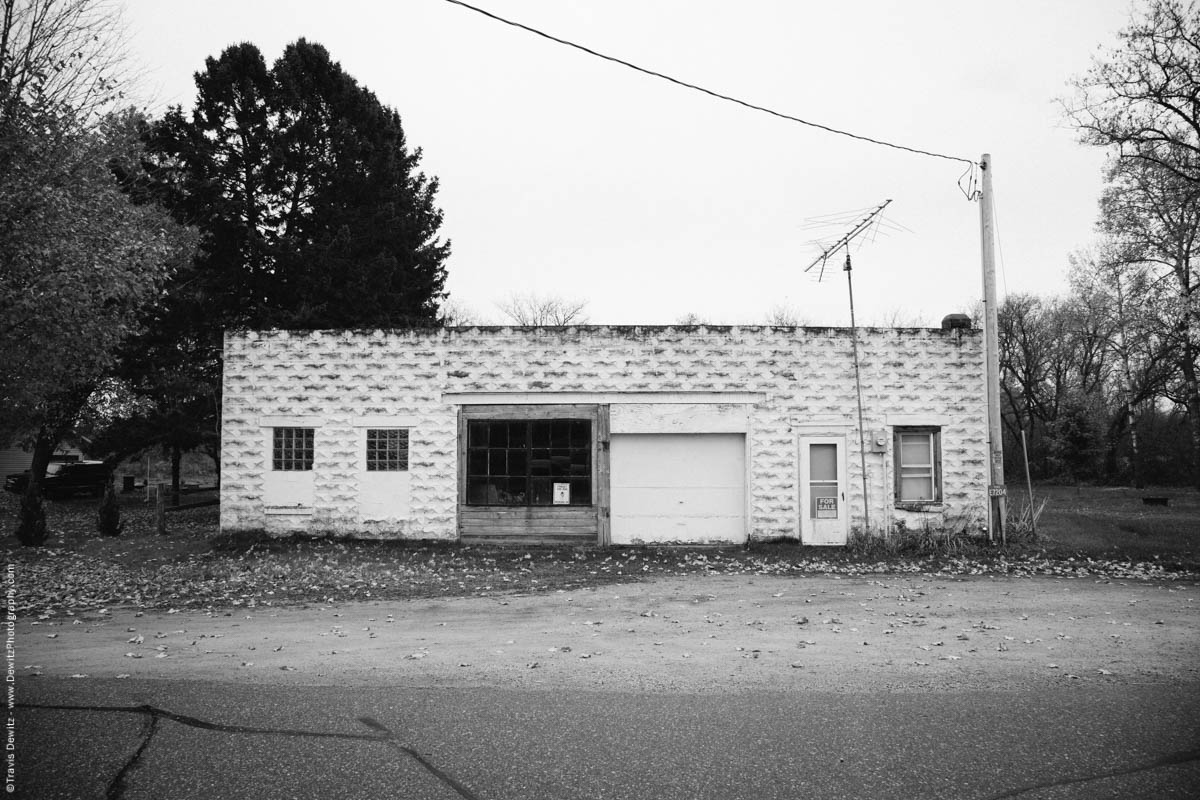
x=678, y=488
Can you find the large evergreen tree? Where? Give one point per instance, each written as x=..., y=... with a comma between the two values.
x=311, y=206
x=312, y=213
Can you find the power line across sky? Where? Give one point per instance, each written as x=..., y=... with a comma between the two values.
x=709, y=92
x=562, y=176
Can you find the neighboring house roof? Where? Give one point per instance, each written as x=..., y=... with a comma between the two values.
x=17, y=459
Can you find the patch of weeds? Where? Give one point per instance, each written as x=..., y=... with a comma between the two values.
x=942, y=540
x=1021, y=522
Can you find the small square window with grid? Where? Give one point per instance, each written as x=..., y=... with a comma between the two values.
x=292, y=449
x=387, y=449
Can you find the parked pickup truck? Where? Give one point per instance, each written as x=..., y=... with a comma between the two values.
x=64, y=479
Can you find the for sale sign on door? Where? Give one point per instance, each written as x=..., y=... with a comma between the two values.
x=826, y=508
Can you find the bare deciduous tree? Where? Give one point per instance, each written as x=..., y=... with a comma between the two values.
x=899, y=318
x=535, y=310
x=454, y=314
x=1142, y=98
x=1154, y=216
x=784, y=316
x=67, y=54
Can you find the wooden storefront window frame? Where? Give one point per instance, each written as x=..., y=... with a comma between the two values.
x=528, y=413
x=596, y=413
x=575, y=446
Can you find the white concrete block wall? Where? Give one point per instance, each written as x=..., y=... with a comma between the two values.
x=334, y=380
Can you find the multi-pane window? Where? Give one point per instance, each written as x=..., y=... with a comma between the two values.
x=292, y=449
x=918, y=465
x=529, y=462
x=387, y=449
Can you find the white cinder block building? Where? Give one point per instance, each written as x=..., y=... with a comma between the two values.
x=602, y=435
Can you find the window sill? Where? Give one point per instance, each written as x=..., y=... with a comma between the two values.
x=297, y=510
x=522, y=505
x=920, y=506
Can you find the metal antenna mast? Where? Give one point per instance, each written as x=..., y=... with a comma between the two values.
x=844, y=242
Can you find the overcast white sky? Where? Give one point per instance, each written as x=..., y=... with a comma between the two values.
x=562, y=174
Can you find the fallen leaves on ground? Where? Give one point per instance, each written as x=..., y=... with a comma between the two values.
x=80, y=572
x=59, y=579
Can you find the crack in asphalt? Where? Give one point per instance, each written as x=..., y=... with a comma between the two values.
x=1181, y=757
x=116, y=788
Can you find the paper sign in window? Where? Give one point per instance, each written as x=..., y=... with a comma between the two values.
x=826, y=507
x=562, y=494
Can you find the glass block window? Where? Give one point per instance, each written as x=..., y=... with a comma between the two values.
x=540, y=462
x=292, y=449
x=387, y=449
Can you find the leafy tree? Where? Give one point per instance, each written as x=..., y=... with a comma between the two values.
x=1142, y=98
x=78, y=264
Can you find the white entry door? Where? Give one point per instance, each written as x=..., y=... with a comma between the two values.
x=823, y=515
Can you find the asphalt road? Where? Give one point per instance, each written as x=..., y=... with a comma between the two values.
x=156, y=739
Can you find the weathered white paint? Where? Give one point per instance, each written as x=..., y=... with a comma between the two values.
x=814, y=529
x=916, y=419
x=383, y=422
x=678, y=488
x=590, y=398
x=679, y=418
x=289, y=421
x=384, y=497
x=785, y=380
x=288, y=492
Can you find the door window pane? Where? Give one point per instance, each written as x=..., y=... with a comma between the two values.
x=822, y=462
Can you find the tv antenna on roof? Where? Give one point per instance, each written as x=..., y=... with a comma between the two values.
x=861, y=226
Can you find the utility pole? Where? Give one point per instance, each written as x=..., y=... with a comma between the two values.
x=997, y=505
